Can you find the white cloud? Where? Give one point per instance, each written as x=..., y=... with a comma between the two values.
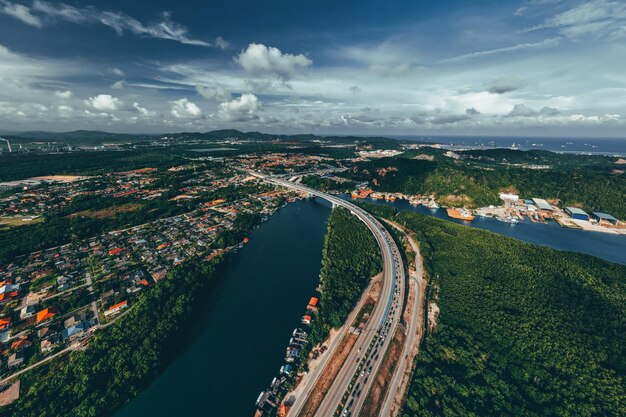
x=64, y=94
x=522, y=110
x=20, y=12
x=221, y=43
x=258, y=58
x=242, y=108
x=185, y=109
x=116, y=71
x=166, y=28
x=104, y=102
x=215, y=92
x=547, y=43
x=118, y=85
x=596, y=18
x=143, y=111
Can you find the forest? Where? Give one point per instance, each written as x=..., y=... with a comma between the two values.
x=123, y=359
x=349, y=259
x=524, y=330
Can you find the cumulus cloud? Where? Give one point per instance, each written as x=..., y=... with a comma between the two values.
x=213, y=93
x=471, y=111
x=504, y=85
x=142, y=110
x=243, y=108
x=64, y=94
x=20, y=12
x=258, y=58
x=185, y=109
x=120, y=22
x=116, y=71
x=522, y=110
x=118, y=85
x=104, y=102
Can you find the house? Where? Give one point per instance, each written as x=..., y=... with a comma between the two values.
x=49, y=344
x=28, y=311
x=306, y=319
x=7, y=296
x=46, y=313
x=16, y=359
x=114, y=309
x=76, y=331
x=5, y=322
x=21, y=343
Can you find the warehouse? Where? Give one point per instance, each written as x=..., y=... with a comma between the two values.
x=576, y=213
x=597, y=216
x=542, y=204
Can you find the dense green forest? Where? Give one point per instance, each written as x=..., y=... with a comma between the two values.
x=123, y=359
x=349, y=259
x=473, y=185
x=524, y=330
x=20, y=166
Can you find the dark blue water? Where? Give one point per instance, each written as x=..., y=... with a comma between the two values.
x=239, y=341
x=566, y=145
x=603, y=245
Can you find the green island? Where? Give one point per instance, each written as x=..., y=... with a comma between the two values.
x=523, y=330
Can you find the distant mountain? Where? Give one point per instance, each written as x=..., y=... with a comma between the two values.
x=81, y=136
x=89, y=137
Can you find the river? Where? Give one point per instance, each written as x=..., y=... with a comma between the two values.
x=611, y=247
x=238, y=342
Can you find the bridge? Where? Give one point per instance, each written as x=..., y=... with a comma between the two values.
x=354, y=380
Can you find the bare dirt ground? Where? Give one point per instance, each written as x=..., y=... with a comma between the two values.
x=10, y=394
x=330, y=372
x=433, y=312
x=107, y=212
x=374, y=400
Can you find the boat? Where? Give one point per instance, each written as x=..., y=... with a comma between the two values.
x=512, y=220
x=460, y=214
x=432, y=205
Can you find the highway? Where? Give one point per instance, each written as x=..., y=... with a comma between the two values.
x=353, y=381
x=399, y=379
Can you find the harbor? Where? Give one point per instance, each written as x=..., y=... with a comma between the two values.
x=545, y=232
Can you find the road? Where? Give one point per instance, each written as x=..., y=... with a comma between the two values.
x=399, y=379
x=352, y=383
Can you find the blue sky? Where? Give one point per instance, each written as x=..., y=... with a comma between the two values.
x=533, y=67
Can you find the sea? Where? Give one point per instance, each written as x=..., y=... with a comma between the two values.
x=589, y=146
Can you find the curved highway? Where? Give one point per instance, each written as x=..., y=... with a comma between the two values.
x=351, y=385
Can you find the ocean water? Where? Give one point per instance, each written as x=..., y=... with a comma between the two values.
x=615, y=146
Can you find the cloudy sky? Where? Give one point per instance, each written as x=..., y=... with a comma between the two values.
x=532, y=67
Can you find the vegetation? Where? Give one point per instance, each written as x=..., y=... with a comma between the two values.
x=523, y=330
x=120, y=361
x=349, y=259
x=20, y=166
x=477, y=181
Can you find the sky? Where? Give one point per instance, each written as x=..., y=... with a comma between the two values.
x=485, y=67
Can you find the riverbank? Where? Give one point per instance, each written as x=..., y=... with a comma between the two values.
x=236, y=344
x=608, y=246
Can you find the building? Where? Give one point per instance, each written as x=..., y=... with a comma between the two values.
x=597, y=216
x=45, y=314
x=576, y=213
x=16, y=359
x=5, y=322
x=114, y=309
x=509, y=198
x=542, y=204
